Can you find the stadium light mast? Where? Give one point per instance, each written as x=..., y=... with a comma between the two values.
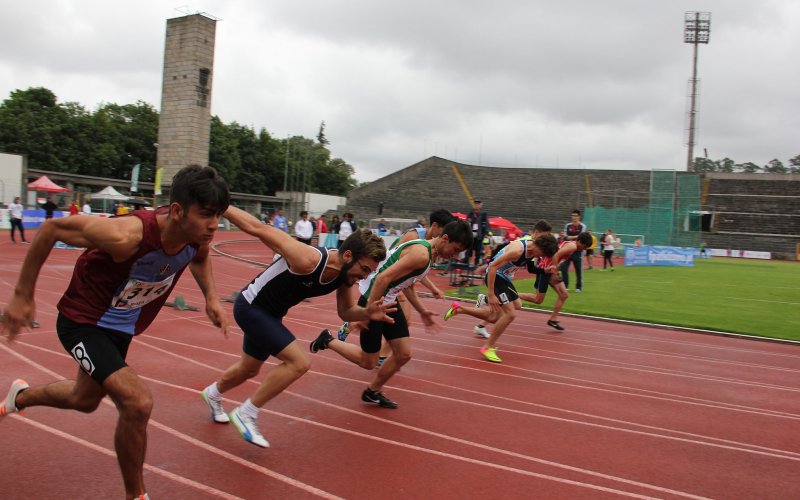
x=697, y=29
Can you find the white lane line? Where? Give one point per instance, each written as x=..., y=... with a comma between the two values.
x=572, y=382
x=729, y=445
x=111, y=453
x=262, y=470
x=450, y=455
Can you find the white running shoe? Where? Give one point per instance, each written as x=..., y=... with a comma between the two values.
x=9, y=405
x=218, y=414
x=481, y=331
x=248, y=428
x=481, y=300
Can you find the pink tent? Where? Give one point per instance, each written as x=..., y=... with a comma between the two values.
x=43, y=183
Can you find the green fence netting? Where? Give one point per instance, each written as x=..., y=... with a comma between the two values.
x=666, y=215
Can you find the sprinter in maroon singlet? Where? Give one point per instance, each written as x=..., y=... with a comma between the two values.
x=118, y=285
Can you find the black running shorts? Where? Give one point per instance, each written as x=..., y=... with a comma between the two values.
x=264, y=334
x=371, y=337
x=98, y=351
x=504, y=290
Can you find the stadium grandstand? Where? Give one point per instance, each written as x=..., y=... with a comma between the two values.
x=759, y=212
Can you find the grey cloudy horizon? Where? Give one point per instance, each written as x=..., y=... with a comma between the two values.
x=576, y=84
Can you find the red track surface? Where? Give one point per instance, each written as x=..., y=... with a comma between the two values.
x=601, y=410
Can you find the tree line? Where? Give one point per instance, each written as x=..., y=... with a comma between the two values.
x=110, y=141
x=727, y=165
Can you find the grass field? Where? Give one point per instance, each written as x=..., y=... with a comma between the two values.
x=751, y=297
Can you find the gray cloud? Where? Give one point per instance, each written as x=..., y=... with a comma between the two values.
x=570, y=84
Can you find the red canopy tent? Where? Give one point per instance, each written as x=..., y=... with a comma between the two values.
x=43, y=183
x=502, y=223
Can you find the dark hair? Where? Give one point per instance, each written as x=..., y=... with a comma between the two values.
x=576, y=212
x=458, y=231
x=364, y=243
x=442, y=217
x=542, y=226
x=584, y=239
x=547, y=243
x=201, y=186
x=303, y=213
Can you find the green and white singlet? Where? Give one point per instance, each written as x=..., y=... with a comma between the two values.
x=395, y=287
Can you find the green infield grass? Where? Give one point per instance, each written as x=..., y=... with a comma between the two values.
x=751, y=297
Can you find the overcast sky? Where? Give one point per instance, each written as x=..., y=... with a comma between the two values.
x=529, y=83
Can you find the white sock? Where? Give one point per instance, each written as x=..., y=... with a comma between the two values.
x=213, y=392
x=249, y=409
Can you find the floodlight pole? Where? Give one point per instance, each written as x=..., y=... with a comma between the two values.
x=285, y=175
x=697, y=28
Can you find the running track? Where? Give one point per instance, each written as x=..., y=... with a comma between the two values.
x=602, y=410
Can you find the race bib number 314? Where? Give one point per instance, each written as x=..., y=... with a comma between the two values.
x=138, y=293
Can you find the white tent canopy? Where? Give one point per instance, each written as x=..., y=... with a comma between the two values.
x=108, y=193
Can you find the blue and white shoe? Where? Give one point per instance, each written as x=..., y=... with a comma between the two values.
x=344, y=331
x=247, y=427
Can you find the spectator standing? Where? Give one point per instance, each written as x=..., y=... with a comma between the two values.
x=609, y=243
x=303, y=229
x=346, y=227
x=332, y=241
x=322, y=228
x=571, y=232
x=479, y=222
x=49, y=207
x=279, y=221
x=15, y=212
x=87, y=207
x=73, y=208
x=381, y=228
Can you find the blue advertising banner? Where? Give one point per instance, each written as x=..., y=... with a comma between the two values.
x=659, y=256
x=33, y=218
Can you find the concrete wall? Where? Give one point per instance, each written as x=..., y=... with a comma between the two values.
x=11, y=177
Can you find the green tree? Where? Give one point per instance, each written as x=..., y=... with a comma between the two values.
x=749, y=167
x=31, y=123
x=133, y=130
x=775, y=166
x=725, y=165
x=222, y=152
x=321, y=135
x=794, y=165
x=113, y=139
x=703, y=165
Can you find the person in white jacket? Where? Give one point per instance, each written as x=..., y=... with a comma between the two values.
x=303, y=229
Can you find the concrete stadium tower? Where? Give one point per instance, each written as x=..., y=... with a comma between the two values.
x=184, y=125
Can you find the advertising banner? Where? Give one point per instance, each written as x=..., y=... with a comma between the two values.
x=659, y=256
